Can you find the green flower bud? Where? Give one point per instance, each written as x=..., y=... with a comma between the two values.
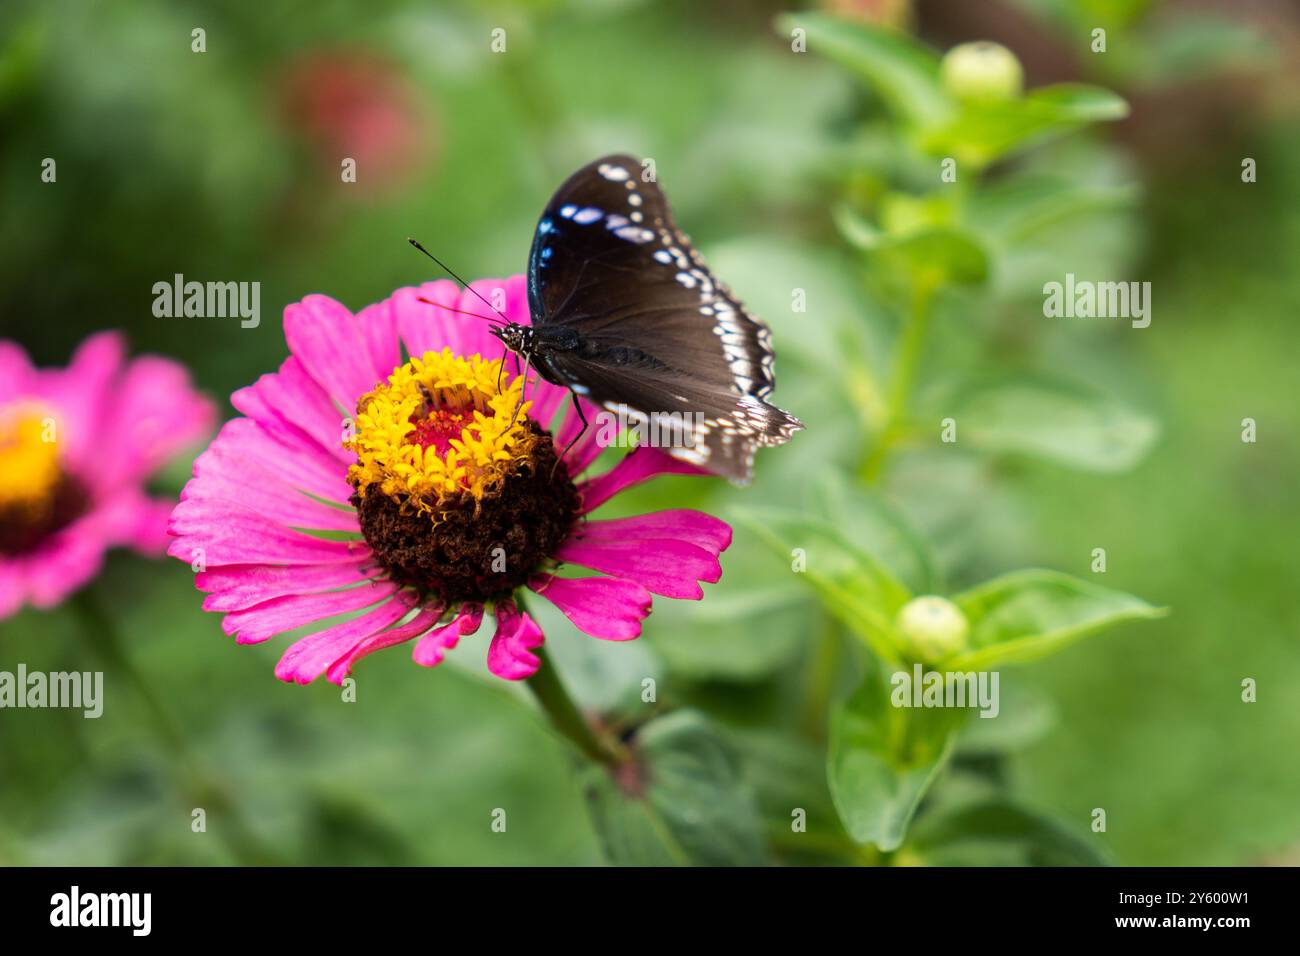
x=982, y=71
x=932, y=628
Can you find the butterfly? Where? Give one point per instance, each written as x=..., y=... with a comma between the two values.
x=626, y=315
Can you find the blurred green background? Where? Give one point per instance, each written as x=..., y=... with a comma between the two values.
x=225, y=166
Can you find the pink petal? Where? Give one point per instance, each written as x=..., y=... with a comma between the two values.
x=298, y=463
x=379, y=326
x=291, y=399
x=140, y=522
x=546, y=401
x=153, y=413
x=430, y=648
x=228, y=534
x=16, y=372
x=425, y=619
x=307, y=659
x=682, y=524
x=638, y=465
x=63, y=563
x=73, y=556
x=238, y=586
x=325, y=337
x=587, y=448
x=430, y=326
x=602, y=607
x=424, y=327
x=510, y=655
x=661, y=565
x=11, y=573
x=516, y=290
x=85, y=395
x=262, y=621
x=473, y=333
x=98, y=358
x=222, y=473
x=254, y=405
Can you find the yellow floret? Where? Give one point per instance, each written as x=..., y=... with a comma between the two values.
x=491, y=442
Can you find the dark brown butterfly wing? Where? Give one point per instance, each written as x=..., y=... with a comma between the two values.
x=661, y=334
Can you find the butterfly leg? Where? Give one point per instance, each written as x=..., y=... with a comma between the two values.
x=523, y=389
x=577, y=407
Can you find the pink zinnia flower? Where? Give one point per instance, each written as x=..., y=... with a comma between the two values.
x=409, y=497
x=350, y=103
x=76, y=446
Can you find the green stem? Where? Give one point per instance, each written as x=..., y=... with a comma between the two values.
x=822, y=671
x=102, y=635
x=565, y=716
x=907, y=359
x=200, y=786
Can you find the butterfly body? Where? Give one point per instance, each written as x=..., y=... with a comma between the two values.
x=626, y=315
x=548, y=349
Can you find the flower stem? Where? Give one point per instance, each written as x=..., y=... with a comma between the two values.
x=907, y=357
x=565, y=716
x=822, y=671
x=102, y=635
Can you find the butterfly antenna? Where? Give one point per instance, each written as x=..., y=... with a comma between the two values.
x=477, y=315
x=447, y=269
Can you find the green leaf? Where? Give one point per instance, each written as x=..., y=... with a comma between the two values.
x=987, y=131
x=882, y=759
x=788, y=774
x=852, y=584
x=1075, y=103
x=1025, y=715
x=20, y=59
x=935, y=257
x=997, y=831
x=342, y=831
x=683, y=803
x=1019, y=209
x=1030, y=614
x=629, y=831
x=327, y=502
x=755, y=625
x=1052, y=420
x=860, y=514
x=927, y=255
x=751, y=632
x=903, y=214
x=856, y=229
x=326, y=534
x=903, y=72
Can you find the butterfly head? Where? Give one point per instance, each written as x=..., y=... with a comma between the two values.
x=517, y=338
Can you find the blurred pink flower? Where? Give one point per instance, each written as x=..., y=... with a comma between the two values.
x=893, y=13
x=355, y=105
x=436, y=505
x=76, y=447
